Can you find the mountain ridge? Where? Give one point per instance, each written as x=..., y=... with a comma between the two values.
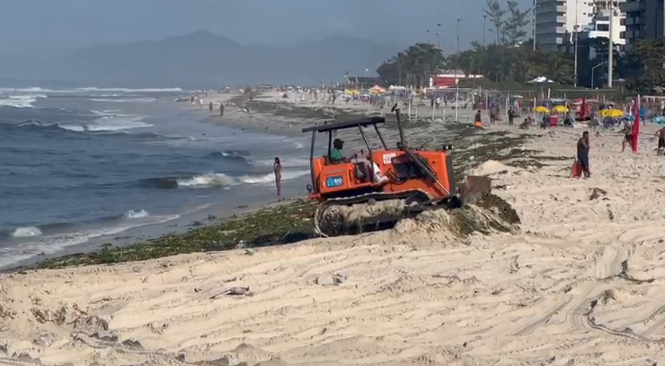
x=205, y=57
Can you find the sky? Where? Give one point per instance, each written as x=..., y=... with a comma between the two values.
x=26, y=25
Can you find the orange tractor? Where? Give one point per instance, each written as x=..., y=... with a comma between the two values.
x=416, y=180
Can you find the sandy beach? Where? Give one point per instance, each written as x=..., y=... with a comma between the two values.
x=269, y=111
x=580, y=282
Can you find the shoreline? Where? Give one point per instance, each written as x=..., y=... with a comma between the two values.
x=483, y=147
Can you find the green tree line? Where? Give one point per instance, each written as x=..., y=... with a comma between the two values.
x=510, y=57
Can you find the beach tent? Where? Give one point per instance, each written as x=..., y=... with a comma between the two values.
x=377, y=89
x=540, y=80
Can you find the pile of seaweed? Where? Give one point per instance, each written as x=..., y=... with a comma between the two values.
x=281, y=224
x=489, y=214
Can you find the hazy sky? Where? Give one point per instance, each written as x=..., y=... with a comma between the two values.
x=25, y=24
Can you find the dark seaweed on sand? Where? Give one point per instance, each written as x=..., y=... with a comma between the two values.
x=270, y=226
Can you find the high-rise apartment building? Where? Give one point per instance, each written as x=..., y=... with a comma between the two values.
x=644, y=20
x=555, y=20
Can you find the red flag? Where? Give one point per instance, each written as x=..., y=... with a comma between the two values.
x=636, y=128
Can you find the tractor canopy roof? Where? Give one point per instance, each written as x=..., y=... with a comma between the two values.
x=364, y=122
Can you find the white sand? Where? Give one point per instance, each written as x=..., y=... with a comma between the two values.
x=582, y=284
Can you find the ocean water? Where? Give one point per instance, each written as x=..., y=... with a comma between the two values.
x=79, y=164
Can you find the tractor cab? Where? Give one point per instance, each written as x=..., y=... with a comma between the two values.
x=330, y=174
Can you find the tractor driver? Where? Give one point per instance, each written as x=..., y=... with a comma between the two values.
x=335, y=155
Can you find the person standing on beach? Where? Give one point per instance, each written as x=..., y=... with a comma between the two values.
x=511, y=115
x=221, y=109
x=277, y=170
x=477, y=120
x=210, y=107
x=628, y=134
x=583, y=154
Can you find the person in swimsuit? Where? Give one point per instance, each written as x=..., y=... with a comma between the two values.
x=277, y=170
x=628, y=135
x=583, y=154
x=477, y=120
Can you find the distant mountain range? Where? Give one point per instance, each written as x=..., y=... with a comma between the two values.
x=205, y=58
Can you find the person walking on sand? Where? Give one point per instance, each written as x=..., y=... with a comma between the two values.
x=583, y=154
x=210, y=107
x=628, y=135
x=277, y=170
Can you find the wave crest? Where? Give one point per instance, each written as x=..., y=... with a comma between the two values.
x=26, y=232
x=131, y=214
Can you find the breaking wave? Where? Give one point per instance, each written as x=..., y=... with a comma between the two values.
x=212, y=179
x=20, y=101
x=108, y=123
x=125, y=100
x=55, y=228
x=25, y=232
x=129, y=90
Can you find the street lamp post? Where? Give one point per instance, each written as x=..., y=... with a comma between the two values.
x=484, y=29
x=456, y=72
x=438, y=32
x=592, y=77
x=428, y=33
x=576, y=55
x=534, y=6
x=610, y=43
x=576, y=45
x=458, y=34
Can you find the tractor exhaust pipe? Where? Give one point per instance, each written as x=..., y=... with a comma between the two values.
x=403, y=143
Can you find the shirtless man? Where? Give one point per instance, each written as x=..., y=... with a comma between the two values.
x=628, y=135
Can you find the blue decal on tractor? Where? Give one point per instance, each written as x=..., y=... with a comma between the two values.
x=336, y=181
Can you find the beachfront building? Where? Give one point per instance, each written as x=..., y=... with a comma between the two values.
x=361, y=82
x=645, y=20
x=449, y=79
x=555, y=19
x=599, y=28
x=591, y=41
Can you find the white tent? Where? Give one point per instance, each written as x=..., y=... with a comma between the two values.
x=540, y=80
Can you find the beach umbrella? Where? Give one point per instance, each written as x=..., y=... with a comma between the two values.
x=612, y=112
x=541, y=109
x=560, y=109
x=377, y=89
